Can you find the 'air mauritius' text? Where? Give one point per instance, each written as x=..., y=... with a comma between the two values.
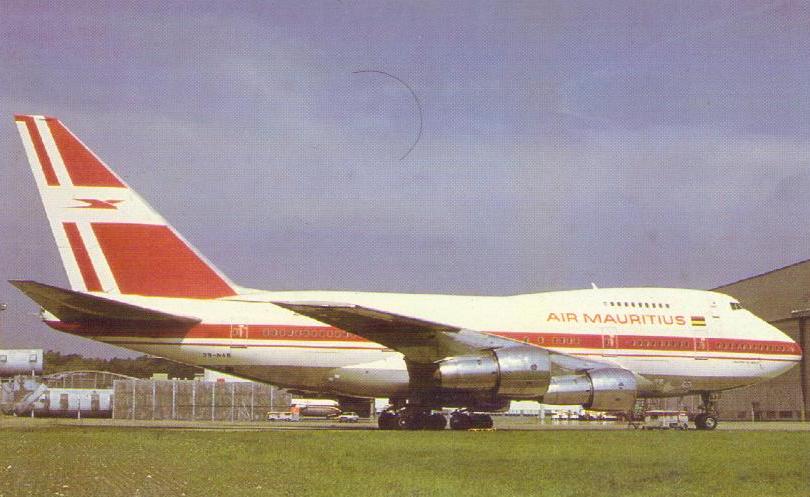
x=641, y=319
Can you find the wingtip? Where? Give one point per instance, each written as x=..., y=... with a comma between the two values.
x=21, y=283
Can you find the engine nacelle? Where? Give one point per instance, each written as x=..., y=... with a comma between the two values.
x=512, y=372
x=609, y=389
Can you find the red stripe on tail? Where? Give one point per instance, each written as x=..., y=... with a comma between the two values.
x=84, y=168
x=39, y=147
x=82, y=257
x=152, y=260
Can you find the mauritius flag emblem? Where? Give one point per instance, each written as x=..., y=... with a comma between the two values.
x=698, y=321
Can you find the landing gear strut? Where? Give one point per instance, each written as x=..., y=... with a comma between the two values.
x=707, y=420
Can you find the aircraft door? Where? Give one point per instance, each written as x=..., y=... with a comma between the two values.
x=610, y=342
x=706, y=325
x=701, y=346
x=239, y=333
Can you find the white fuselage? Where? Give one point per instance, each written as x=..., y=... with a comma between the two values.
x=678, y=341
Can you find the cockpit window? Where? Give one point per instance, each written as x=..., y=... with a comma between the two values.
x=736, y=306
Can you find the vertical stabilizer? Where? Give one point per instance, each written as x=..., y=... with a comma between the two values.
x=109, y=238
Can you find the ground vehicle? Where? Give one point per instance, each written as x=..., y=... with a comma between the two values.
x=348, y=417
x=664, y=420
x=282, y=416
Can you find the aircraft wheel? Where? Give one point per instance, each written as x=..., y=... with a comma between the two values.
x=709, y=422
x=705, y=421
x=412, y=421
x=481, y=421
x=388, y=420
x=460, y=421
x=436, y=421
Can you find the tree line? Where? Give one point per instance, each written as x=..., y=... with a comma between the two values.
x=140, y=367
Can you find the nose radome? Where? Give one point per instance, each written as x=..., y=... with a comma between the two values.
x=780, y=336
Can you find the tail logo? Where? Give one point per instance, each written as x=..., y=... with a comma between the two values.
x=94, y=203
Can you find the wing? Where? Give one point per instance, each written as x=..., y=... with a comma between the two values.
x=420, y=341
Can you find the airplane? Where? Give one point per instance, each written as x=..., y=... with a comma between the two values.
x=135, y=282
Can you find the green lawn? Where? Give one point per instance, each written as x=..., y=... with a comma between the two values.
x=79, y=461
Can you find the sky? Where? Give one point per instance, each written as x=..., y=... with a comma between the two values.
x=562, y=143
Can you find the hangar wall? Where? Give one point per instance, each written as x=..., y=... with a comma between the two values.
x=781, y=297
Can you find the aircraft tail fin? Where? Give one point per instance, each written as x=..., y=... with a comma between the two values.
x=110, y=240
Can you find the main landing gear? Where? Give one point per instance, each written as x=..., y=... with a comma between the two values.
x=707, y=420
x=464, y=420
x=424, y=419
x=411, y=419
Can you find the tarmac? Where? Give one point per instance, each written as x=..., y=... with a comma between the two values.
x=502, y=423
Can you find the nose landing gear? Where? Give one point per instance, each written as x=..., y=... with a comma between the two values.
x=707, y=420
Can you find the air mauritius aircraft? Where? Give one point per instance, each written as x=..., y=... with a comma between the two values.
x=137, y=283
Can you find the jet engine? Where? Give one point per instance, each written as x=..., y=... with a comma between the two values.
x=511, y=372
x=608, y=389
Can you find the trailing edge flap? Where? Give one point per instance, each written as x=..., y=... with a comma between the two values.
x=418, y=340
x=72, y=307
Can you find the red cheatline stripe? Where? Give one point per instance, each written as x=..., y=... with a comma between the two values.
x=39, y=147
x=84, y=168
x=290, y=333
x=82, y=257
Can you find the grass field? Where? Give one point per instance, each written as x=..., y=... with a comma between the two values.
x=109, y=461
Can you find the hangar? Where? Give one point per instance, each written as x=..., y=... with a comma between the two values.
x=781, y=297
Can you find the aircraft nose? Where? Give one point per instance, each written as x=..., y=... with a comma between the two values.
x=793, y=347
x=797, y=350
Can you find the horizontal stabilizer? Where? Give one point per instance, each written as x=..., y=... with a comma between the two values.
x=77, y=307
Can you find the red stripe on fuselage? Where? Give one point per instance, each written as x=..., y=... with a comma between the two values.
x=39, y=147
x=256, y=332
x=84, y=168
x=82, y=257
x=152, y=260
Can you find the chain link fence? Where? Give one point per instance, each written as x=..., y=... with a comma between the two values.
x=196, y=400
